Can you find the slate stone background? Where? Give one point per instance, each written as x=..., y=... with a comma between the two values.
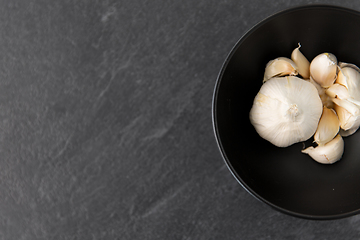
x=105, y=123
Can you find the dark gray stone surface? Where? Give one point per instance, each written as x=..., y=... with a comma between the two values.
x=105, y=123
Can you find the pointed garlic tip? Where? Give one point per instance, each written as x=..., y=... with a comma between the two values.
x=323, y=69
x=280, y=67
x=328, y=127
x=286, y=111
x=348, y=114
x=329, y=153
x=301, y=62
x=337, y=91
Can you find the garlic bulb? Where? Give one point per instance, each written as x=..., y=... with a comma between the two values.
x=279, y=67
x=328, y=153
x=328, y=127
x=286, y=110
x=301, y=62
x=323, y=103
x=323, y=69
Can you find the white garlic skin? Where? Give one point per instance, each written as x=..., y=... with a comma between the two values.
x=323, y=69
x=329, y=153
x=286, y=111
x=326, y=99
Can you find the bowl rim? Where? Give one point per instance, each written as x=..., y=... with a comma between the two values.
x=214, y=111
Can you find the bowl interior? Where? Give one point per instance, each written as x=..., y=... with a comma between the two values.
x=285, y=178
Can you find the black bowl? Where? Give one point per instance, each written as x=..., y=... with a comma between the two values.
x=285, y=178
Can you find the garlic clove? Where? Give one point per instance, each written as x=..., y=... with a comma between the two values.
x=280, y=67
x=354, y=123
x=341, y=78
x=352, y=78
x=349, y=132
x=329, y=153
x=348, y=114
x=350, y=65
x=337, y=91
x=328, y=127
x=323, y=69
x=344, y=103
x=286, y=111
x=301, y=62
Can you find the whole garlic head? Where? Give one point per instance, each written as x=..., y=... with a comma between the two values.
x=286, y=110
